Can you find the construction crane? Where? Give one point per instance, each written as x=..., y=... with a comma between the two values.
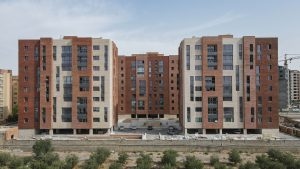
x=286, y=59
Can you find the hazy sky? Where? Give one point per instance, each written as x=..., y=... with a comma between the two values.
x=139, y=26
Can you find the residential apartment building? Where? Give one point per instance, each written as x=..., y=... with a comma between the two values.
x=295, y=86
x=67, y=85
x=229, y=84
x=5, y=94
x=15, y=85
x=148, y=89
x=284, y=89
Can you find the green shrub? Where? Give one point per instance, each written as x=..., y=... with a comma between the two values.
x=96, y=158
x=234, y=156
x=249, y=165
x=214, y=159
x=122, y=158
x=42, y=147
x=71, y=161
x=144, y=162
x=169, y=157
x=220, y=166
x=4, y=158
x=15, y=162
x=192, y=163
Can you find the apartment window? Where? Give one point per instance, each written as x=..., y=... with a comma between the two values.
x=25, y=89
x=82, y=109
x=102, y=86
x=96, y=88
x=96, y=68
x=66, y=56
x=269, y=67
x=96, y=119
x=227, y=88
x=198, y=57
x=26, y=68
x=251, y=47
x=269, y=46
x=96, y=109
x=210, y=83
x=198, y=78
x=269, y=109
x=228, y=114
x=197, y=47
x=228, y=57
x=191, y=88
x=270, y=88
x=248, y=88
x=141, y=105
x=212, y=57
x=26, y=58
x=270, y=98
x=105, y=114
x=57, y=79
x=212, y=109
x=25, y=120
x=199, y=99
x=258, y=49
x=105, y=57
x=198, y=119
x=237, y=78
x=84, y=83
x=252, y=114
x=66, y=114
x=95, y=57
x=67, y=88
x=26, y=78
x=140, y=67
x=198, y=88
x=188, y=57
x=82, y=57
x=198, y=67
x=96, y=78
x=96, y=99
x=241, y=51
x=269, y=57
x=198, y=109
x=26, y=48
x=251, y=61
x=142, y=87
x=54, y=52
x=241, y=109
x=188, y=114
x=96, y=47
x=54, y=109
x=269, y=77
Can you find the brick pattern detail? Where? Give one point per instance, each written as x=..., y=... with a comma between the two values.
x=247, y=40
x=31, y=84
x=44, y=104
x=218, y=82
x=75, y=83
x=265, y=92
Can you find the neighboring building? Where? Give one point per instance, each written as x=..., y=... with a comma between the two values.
x=67, y=85
x=229, y=84
x=284, y=93
x=5, y=94
x=295, y=86
x=148, y=90
x=15, y=85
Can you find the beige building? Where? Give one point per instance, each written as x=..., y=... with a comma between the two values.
x=295, y=86
x=229, y=85
x=15, y=83
x=5, y=94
